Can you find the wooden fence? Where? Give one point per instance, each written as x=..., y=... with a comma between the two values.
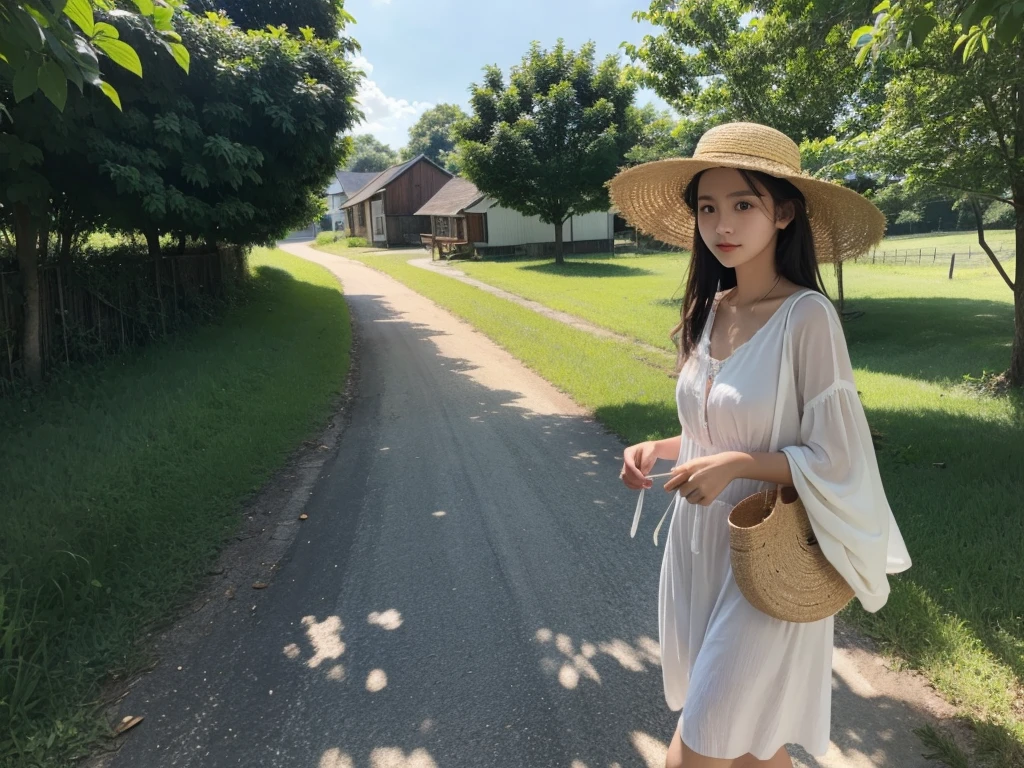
x=108, y=302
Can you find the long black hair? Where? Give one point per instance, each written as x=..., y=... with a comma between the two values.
x=795, y=258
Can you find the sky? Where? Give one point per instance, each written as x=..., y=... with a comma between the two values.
x=418, y=53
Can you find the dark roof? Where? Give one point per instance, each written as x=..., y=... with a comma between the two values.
x=386, y=177
x=349, y=182
x=452, y=198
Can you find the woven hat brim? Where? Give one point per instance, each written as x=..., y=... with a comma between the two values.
x=844, y=223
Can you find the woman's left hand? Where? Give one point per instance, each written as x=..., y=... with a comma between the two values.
x=702, y=480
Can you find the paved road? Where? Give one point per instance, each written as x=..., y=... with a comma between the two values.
x=464, y=593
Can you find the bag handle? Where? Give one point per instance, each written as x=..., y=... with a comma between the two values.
x=785, y=373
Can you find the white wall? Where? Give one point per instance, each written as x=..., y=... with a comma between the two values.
x=506, y=227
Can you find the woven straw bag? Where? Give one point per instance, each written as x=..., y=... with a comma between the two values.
x=777, y=561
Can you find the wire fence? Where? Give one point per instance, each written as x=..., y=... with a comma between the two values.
x=960, y=256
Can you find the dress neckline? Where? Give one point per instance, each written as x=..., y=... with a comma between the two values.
x=708, y=325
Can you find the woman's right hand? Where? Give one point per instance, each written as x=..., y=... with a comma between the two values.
x=637, y=461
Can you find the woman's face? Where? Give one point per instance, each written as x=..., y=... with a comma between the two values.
x=729, y=213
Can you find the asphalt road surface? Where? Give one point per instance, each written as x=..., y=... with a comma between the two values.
x=464, y=593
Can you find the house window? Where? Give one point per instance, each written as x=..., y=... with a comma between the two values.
x=362, y=216
x=442, y=226
x=460, y=228
x=379, y=228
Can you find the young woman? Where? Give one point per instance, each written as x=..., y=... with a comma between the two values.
x=766, y=398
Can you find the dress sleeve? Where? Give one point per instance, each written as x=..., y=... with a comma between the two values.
x=834, y=467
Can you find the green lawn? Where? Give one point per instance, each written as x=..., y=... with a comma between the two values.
x=120, y=483
x=958, y=614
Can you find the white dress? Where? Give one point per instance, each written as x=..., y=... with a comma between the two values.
x=747, y=682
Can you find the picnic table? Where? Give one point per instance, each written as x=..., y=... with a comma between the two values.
x=445, y=246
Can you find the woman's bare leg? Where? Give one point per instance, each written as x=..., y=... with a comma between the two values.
x=779, y=760
x=681, y=756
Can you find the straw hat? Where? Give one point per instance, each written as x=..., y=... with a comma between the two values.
x=650, y=196
x=777, y=562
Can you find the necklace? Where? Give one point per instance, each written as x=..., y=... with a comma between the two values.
x=763, y=297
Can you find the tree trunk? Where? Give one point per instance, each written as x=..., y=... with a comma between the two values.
x=27, y=245
x=1016, y=372
x=839, y=280
x=1017, y=353
x=559, y=250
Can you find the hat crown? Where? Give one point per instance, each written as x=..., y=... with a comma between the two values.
x=751, y=140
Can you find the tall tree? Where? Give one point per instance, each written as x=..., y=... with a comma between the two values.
x=547, y=143
x=662, y=135
x=43, y=47
x=325, y=17
x=958, y=127
x=237, y=151
x=432, y=135
x=786, y=68
x=370, y=155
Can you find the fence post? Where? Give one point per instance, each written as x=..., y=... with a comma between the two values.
x=952, y=261
x=63, y=315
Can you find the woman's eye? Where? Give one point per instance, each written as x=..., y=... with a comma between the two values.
x=744, y=202
x=704, y=208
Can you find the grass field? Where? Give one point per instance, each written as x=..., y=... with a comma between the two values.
x=951, y=454
x=120, y=483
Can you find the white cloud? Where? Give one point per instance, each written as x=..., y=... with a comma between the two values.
x=362, y=63
x=386, y=117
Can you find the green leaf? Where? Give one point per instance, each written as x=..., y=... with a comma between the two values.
x=1007, y=30
x=984, y=42
x=35, y=14
x=972, y=43
x=106, y=30
x=960, y=41
x=862, y=55
x=54, y=84
x=32, y=32
x=162, y=16
x=181, y=55
x=25, y=82
x=121, y=53
x=73, y=74
x=921, y=27
x=855, y=38
x=145, y=7
x=882, y=6
x=111, y=93
x=80, y=12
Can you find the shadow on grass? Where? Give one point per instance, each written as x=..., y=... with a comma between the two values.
x=934, y=339
x=954, y=484
x=587, y=269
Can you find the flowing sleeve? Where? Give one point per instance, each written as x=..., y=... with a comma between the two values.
x=834, y=467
